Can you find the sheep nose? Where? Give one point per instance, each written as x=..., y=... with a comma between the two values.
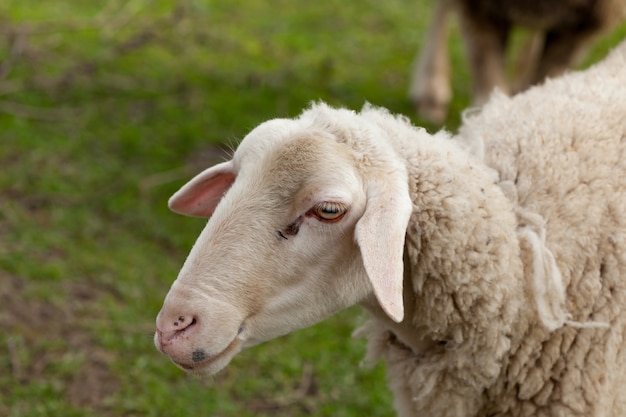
x=174, y=328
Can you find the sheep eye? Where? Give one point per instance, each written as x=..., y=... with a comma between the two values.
x=329, y=211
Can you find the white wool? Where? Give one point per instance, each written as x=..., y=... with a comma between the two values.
x=547, y=281
x=548, y=289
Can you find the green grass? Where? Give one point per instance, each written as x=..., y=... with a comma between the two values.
x=106, y=108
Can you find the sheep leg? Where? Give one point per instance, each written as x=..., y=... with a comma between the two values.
x=485, y=41
x=563, y=49
x=527, y=61
x=430, y=89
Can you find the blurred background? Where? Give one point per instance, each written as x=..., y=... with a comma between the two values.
x=106, y=108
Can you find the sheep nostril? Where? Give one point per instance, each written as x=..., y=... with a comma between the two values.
x=187, y=323
x=183, y=322
x=180, y=326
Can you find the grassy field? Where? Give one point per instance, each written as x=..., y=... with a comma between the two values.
x=106, y=108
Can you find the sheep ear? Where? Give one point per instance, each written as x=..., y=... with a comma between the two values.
x=200, y=195
x=380, y=234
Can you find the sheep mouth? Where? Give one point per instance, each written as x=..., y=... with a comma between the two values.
x=203, y=363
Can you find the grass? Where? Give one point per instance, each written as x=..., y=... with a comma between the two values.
x=106, y=108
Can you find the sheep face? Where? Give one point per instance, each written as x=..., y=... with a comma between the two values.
x=289, y=244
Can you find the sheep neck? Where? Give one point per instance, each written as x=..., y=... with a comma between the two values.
x=464, y=286
x=403, y=333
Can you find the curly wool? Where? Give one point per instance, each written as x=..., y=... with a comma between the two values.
x=520, y=310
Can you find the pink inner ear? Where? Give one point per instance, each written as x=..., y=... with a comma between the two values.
x=200, y=196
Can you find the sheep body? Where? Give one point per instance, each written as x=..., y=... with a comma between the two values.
x=558, y=151
x=492, y=264
x=563, y=31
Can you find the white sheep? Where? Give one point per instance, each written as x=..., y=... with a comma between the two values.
x=564, y=30
x=493, y=265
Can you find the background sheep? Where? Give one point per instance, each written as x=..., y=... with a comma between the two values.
x=564, y=30
x=494, y=275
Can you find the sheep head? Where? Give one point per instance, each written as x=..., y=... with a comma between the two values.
x=308, y=217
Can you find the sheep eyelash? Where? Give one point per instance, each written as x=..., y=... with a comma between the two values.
x=325, y=212
x=328, y=211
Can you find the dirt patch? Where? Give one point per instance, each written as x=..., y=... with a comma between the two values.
x=45, y=340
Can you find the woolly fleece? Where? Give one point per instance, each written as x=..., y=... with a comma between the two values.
x=515, y=258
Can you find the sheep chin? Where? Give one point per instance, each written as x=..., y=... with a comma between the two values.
x=210, y=365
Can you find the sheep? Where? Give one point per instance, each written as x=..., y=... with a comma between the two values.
x=564, y=30
x=491, y=263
